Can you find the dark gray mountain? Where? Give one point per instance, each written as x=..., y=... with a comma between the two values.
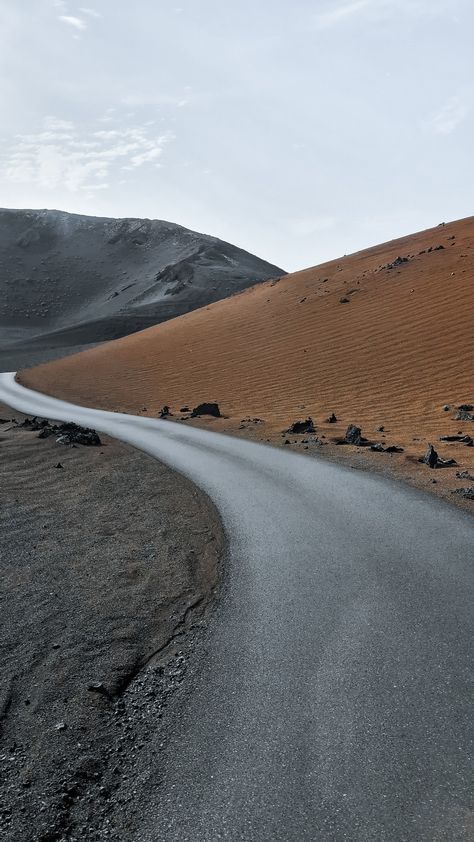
x=69, y=281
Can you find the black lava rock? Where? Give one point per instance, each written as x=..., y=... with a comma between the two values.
x=299, y=427
x=353, y=435
x=206, y=409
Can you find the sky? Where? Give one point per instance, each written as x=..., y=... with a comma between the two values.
x=298, y=130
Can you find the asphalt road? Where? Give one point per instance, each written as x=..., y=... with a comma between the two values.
x=335, y=698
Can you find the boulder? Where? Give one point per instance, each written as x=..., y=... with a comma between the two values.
x=299, y=427
x=433, y=460
x=464, y=414
x=354, y=435
x=206, y=409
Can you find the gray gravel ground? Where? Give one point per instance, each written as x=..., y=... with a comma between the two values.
x=108, y=564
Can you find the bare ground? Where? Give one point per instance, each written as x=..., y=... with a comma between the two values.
x=108, y=565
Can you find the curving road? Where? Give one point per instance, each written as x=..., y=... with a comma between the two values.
x=334, y=702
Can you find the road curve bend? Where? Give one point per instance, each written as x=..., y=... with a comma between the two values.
x=334, y=701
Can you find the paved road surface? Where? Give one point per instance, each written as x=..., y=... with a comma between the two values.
x=335, y=699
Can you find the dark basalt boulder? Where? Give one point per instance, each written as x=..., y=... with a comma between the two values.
x=354, y=435
x=206, y=409
x=433, y=460
x=299, y=427
x=464, y=415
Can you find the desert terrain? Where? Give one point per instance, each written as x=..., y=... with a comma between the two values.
x=68, y=281
x=109, y=562
x=379, y=339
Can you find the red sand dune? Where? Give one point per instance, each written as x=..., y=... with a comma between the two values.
x=398, y=350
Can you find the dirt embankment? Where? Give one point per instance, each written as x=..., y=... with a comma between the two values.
x=107, y=558
x=380, y=338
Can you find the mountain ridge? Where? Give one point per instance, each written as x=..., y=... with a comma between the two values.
x=71, y=280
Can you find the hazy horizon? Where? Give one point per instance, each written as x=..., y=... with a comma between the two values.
x=297, y=133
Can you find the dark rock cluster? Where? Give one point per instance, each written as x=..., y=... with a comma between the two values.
x=66, y=433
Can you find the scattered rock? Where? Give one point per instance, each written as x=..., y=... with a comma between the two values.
x=165, y=412
x=59, y=466
x=433, y=460
x=252, y=421
x=185, y=409
x=343, y=300
x=61, y=726
x=446, y=407
x=381, y=448
x=206, y=409
x=381, y=429
x=66, y=433
x=332, y=419
x=467, y=493
x=399, y=261
x=287, y=441
x=464, y=475
x=298, y=427
x=464, y=414
x=466, y=407
x=464, y=439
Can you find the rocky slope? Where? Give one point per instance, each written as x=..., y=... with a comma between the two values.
x=68, y=281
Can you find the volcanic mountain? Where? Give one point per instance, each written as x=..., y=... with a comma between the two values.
x=381, y=338
x=68, y=281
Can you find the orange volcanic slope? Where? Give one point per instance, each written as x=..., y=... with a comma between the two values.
x=393, y=354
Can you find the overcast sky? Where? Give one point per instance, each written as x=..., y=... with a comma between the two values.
x=298, y=129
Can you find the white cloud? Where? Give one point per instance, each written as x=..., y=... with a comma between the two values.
x=91, y=12
x=450, y=116
x=63, y=154
x=77, y=23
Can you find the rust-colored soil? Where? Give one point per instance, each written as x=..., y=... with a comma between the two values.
x=398, y=350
